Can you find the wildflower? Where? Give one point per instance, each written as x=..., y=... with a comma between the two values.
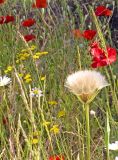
x=41, y=53
x=28, y=78
x=116, y=158
x=113, y=146
x=42, y=78
x=29, y=37
x=35, y=141
x=85, y=84
x=40, y=4
x=52, y=103
x=2, y=1
x=89, y=34
x=100, y=57
x=61, y=113
x=102, y=11
x=36, y=92
x=28, y=22
x=46, y=123
x=92, y=113
x=35, y=57
x=23, y=56
x=32, y=48
x=77, y=33
x=9, y=69
x=56, y=157
x=6, y=19
x=4, y=81
x=20, y=75
x=55, y=129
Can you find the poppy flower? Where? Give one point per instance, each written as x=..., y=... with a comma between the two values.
x=100, y=57
x=57, y=157
x=102, y=11
x=89, y=34
x=40, y=4
x=29, y=37
x=77, y=33
x=2, y=1
x=6, y=19
x=28, y=22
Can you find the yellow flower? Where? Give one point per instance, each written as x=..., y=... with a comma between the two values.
x=27, y=76
x=17, y=61
x=55, y=129
x=43, y=78
x=24, y=50
x=28, y=80
x=41, y=53
x=20, y=75
x=23, y=56
x=61, y=113
x=35, y=57
x=52, y=103
x=35, y=141
x=9, y=69
x=46, y=123
x=32, y=48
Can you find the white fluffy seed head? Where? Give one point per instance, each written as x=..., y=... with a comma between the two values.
x=85, y=82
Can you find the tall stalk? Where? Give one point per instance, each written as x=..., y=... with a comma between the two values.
x=87, y=131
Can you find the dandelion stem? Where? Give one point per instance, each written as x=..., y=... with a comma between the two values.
x=88, y=131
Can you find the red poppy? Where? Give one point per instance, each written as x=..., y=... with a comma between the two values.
x=6, y=19
x=89, y=34
x=102, y=58
x=29, y=37
x=40, y=4
x=2, y=1
x=56, y=158
x=28, y=22
x=102, y=11
x=77, y=33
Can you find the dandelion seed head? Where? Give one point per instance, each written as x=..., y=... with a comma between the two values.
x=85, y=83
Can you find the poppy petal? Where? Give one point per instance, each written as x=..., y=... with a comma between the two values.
x=40, y=4
x=89, y=34
x=102, y=11
x=28, y=22
x=29, y=37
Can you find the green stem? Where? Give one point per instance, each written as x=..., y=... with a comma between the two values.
x=88, y=131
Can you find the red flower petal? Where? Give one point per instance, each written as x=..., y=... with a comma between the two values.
x=2, y=1
x=77, y=33
x=40, y=4
x=2, y=20
x=102, y=11
x=9, y=19
x=28, y=22
x=101, y=58
x=6, y=19
x=56, y=157
x=29, y=37
x=89, y=34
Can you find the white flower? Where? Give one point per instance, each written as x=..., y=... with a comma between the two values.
x=116, y=158
x=4, y=80
x=36, y=92
x=85, y=83
x=113, y=146
x=92, y=113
